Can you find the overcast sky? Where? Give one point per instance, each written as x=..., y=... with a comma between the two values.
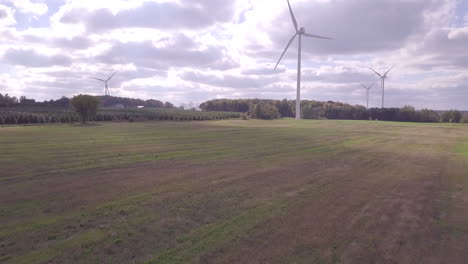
x=194, y=50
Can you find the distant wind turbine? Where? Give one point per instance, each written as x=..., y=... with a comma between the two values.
x=301, y=32
x=367, y=93
x=106, y=89
x=382, y=82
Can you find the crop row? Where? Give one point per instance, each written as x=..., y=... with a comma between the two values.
x=28, y=117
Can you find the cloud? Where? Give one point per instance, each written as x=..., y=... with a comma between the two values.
x=227, y=80
x=31, y=58
x=182, y=53
x=74, y=43
x=6, y=16
x=166, y=16
x=338, y=74
x=26, y=6
x=263, y=69
x=3, y=13
x=441, y=48
x=358, y=26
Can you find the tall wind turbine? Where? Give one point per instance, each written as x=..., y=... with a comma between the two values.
x=106, y=89
x=367, y=93
x=382, y=82
x=301, y=32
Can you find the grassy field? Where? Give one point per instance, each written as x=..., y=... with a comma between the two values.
x=234, y=191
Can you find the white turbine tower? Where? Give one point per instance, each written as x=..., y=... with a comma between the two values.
x=367, y=93
x=382, y=82
x=301, y=32
x=106, y=88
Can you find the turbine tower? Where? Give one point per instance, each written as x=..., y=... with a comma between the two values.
x=106, y=88
x=301, y=32
x=367, y=93
x=382, y=82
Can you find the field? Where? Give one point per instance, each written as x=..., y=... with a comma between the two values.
x=234, y=191
x=33, y=115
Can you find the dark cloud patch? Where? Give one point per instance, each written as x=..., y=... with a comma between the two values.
x=3, y=14
x=7, y=35
x=31, y=58
x=178, y=54
x=76, y=43
x=337, y=75
x=73, y=16
x=231, y=81
x=267, y=69
x=166, y=16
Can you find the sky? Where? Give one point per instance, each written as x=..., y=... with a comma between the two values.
x=190, y=51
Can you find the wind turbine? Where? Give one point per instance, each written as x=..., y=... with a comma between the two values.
x=301, y=32
x=367, y=92
x=106, y=89
x=382, y=82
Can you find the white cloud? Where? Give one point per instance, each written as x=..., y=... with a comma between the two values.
x=6, y=16
x=29, y=7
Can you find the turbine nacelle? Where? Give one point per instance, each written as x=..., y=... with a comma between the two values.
x=301, y=30
x=382, y=82
x=106, y=88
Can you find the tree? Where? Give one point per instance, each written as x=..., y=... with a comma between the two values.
x=264, y=111
x=452, y=116
x=312, y=111
x=285, y=109
x=85, y=105
x=168, y=105
x=427, y=115
x=407, y=114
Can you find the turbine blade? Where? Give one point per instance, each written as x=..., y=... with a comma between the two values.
x=293, y=17
x=111, y=76
x=287, y=46
x=314, y=36
x=98, y=79
x=364, y=86
x=376, y=73
x=371, y=85
x=385, y=75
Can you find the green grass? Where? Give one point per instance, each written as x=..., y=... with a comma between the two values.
x=228, y=191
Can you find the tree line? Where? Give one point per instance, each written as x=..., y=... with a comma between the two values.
x=65, y=102
x=271, y=109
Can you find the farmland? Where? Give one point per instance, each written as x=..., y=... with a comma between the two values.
x=34, y=115
x=234, y=191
